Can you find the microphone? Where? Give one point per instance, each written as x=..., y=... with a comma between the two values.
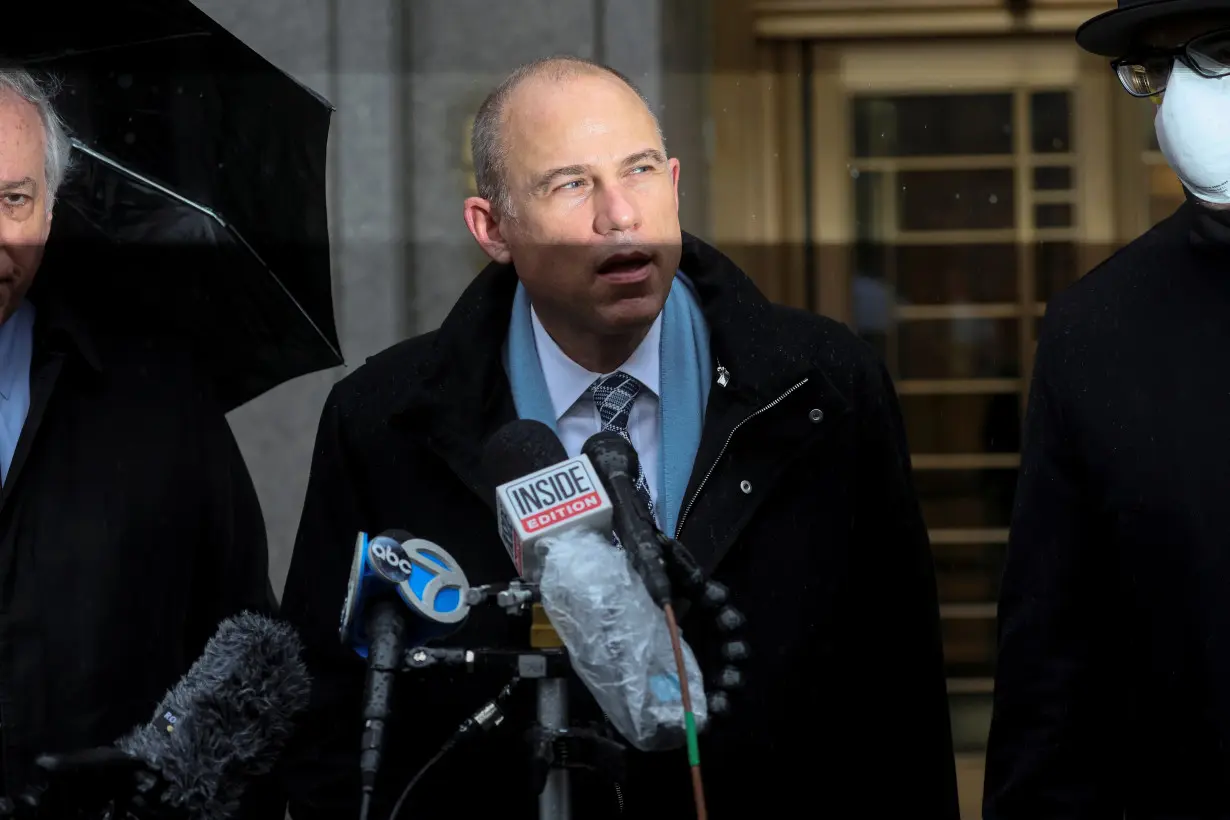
x=617, y=466
x=615, y=460
x=396, y=565
x=617, y=641
x=227, y=719
x=540, y=493
x=390, y=574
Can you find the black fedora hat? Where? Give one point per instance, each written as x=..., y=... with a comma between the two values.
x=1113, y=33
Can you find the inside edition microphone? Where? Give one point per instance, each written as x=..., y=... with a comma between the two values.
x=398, y=585
x=540, y=493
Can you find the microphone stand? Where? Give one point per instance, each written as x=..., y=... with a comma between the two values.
x=557, y=746
x=554, y=803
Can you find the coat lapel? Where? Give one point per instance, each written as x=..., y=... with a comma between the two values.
x=461, y=397
x=775, y=396
x=42, y=381
x=461, y=447
x=746, y=446
x=58, y=337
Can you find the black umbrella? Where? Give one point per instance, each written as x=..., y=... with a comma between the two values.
x=197, y=198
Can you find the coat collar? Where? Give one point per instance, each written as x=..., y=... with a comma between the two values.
x=463, y=376
x=59, y=327
x=1208, y=228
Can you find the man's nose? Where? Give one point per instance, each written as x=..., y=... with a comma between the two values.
x=617, y=211
x=12, y=235
x=10, y=239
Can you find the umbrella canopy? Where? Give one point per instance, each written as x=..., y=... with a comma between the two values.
x=197, y=197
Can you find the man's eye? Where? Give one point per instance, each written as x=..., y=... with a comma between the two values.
x=16, y=200
x=567, y=185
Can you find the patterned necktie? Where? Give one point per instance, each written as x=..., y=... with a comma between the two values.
x=614, y=395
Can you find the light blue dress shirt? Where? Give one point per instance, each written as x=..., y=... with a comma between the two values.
x=577, y=416
x=16, y=351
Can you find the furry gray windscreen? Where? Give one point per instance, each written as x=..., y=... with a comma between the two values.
x=228, y=719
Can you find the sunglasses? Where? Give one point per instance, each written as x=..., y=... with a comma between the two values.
x=1147, y=72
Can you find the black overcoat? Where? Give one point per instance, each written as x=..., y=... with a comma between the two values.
x=129, y=528
x=1112, y=694
x=802, y=504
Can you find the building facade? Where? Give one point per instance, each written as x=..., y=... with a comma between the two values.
x=928, y=171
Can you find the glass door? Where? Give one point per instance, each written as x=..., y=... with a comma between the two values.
x=964, y=225
x=956, y=176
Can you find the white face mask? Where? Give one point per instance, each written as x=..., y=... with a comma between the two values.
x=1193, y=131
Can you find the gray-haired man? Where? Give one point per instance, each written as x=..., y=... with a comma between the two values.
x=129, y=526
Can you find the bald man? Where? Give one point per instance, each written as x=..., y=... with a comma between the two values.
x=770, y=444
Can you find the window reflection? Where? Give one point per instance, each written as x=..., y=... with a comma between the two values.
x=1051, y=122
x=1052, y=178
x=939, y=125
x=1057, y=267
x=940, y=274
x=955, y=199
x=960, y=348
x=952, y=264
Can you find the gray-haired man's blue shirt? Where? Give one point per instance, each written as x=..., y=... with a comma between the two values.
x=16, y=351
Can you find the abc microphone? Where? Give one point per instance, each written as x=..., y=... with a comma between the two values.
x=391, y=574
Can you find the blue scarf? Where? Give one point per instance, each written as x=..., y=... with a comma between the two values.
x=686, y=373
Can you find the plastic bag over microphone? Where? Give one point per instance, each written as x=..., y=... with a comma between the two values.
x=618, y=641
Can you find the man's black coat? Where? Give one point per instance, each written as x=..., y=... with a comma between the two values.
x=129, y=527
x=1112, y=697
x=803, y=506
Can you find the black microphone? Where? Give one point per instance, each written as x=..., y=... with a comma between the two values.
x=221, y=726
x=519, y=448
x=385, y=623
x=617, y=466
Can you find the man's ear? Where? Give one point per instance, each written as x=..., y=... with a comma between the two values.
x=485, y=228
x=673, y=165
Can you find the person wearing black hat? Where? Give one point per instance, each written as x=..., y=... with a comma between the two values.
x=1112, y=690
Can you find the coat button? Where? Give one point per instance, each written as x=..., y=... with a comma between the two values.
x=745, y=486
x=816, y=415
